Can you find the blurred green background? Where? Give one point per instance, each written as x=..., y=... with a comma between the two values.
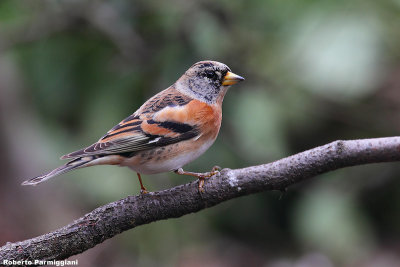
x=316, y=71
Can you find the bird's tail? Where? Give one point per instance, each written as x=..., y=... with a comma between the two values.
x=72, y=165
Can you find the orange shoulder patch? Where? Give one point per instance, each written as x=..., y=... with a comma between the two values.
x=154, y=129
x=202, y=115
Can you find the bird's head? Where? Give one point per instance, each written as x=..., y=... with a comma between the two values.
x=207, y=81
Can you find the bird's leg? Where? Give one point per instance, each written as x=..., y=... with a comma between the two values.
x=200, y=176
x=142, y=188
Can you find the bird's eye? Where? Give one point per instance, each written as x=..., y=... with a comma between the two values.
x=211, y=75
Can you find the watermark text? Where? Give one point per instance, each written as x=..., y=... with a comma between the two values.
x=40, y=262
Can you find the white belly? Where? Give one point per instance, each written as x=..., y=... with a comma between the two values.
x=168, y=164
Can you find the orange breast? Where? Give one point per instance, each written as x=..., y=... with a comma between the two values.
x=202, y=115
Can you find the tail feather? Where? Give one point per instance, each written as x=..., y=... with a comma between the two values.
x=72, y=165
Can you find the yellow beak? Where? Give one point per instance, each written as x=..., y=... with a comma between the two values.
x=231, y=78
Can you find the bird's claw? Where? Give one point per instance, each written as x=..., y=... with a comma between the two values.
x=201, y=176
x=143, y=191
x=214, y=171
x=216, y=168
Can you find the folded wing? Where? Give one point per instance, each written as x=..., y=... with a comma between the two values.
x=141, y=132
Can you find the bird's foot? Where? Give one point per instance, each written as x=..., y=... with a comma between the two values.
x=201, y=176
x=143, y=191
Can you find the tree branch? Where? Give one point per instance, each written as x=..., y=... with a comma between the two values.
x=132, y=211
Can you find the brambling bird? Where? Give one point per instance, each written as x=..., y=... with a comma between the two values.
x=169, y=130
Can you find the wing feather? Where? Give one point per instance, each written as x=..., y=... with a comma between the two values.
x=137, y=133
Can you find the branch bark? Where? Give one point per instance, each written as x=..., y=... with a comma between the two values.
x=132, y=211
